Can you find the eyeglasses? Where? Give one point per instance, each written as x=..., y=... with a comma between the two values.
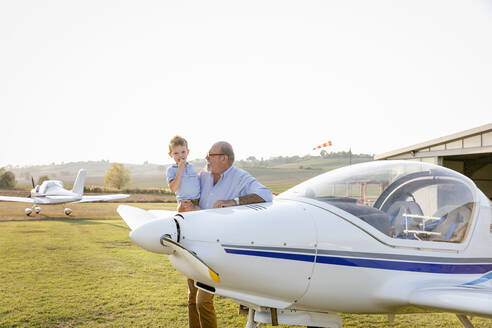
x=210, y=155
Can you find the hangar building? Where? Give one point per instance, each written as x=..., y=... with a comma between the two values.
x=468, y=152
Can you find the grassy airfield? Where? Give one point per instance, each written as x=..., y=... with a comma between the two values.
x=84, y=271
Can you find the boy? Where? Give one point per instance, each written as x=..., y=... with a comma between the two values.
x=182, y=177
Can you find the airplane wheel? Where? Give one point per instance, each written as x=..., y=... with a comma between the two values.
x=28, y=211
x=37, y=209
x=68, y=211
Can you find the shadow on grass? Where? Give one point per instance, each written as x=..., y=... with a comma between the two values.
x=77, y=221
x=92, y=221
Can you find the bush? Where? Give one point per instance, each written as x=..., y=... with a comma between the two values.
x=7, y=179
x=109, y=190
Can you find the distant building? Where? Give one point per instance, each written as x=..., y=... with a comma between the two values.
x=468, y=152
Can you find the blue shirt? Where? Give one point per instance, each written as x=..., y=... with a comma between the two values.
x=189, y=185
x=233, y=183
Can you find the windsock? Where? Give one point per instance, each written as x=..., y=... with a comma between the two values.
x=323, y=145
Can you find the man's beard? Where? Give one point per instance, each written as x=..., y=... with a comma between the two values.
x=209, y=167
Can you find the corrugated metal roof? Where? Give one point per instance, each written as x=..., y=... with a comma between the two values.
x=435, y=142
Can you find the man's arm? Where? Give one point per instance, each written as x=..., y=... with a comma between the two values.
x=243, y=200
x=253, y=191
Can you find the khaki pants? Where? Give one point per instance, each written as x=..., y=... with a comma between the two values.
x=201, y=312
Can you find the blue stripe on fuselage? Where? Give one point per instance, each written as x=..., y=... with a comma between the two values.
x=407, y=266
x=287, y=256
x=373, y=263
x=480, y=280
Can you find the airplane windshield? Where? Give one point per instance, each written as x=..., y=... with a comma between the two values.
x=408, y=200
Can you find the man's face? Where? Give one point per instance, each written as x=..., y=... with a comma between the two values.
x=217, y=162
x=179, y=153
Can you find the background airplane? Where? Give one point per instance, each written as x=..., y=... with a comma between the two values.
x=384, y=237
x=52, y=192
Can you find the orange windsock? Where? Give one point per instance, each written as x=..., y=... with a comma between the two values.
x=323, y=145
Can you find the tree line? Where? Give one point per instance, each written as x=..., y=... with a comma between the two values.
x=117, y=177
x=252, y=161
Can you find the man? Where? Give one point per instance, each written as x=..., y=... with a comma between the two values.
x=222, y=185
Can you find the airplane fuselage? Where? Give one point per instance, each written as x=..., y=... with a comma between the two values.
x=330, y=262
x=53, y=200
x=52, y=192
x=423, y=243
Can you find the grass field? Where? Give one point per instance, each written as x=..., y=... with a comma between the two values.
x=84, y=271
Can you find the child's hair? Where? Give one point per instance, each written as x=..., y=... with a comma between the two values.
x=177, y=141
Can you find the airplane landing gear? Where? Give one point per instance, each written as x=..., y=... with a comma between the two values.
x=296, y=317
x=464, y=321
x=251, y=321
x=68, y=211
x=29, y=211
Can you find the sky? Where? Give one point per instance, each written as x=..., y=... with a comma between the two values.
x=116, y=80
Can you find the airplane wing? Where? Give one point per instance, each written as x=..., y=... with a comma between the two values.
x=88, y=199
x=134, y=217
x=16, y=199
x=474, y=297
x=161, y=214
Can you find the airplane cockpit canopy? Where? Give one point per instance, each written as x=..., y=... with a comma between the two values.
x=403, y=199
x=50, y=184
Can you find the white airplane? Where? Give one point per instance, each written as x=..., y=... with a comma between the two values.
x=384, y=237
x=52, y=192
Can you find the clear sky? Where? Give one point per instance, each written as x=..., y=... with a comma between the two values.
x=115, y=80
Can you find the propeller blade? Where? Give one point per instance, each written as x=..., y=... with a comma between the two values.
x=32, y=180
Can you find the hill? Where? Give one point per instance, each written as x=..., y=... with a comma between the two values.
x=278, y=173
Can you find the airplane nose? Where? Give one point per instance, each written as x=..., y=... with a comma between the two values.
x=149, y=235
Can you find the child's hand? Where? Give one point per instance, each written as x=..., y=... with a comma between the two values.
x=182, y=163
x=185, y=205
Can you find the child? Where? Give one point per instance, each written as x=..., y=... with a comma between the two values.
x=182, y=177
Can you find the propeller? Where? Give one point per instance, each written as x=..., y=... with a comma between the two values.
x=33, y=186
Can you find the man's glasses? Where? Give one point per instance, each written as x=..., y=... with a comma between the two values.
x=210, y=155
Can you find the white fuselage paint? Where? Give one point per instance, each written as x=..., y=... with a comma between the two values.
x=306, y=255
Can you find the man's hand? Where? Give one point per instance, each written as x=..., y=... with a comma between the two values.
x=224, y=203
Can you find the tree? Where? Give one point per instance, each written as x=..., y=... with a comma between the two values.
x=7, y=179
x=117, y=176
